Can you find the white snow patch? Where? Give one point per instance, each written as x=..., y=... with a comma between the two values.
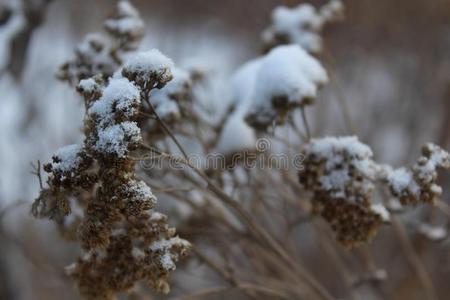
x=120, y=94
x=115, y=139
x=148, y=64
x=287, y=72
x=381, y=210
x=69, y=158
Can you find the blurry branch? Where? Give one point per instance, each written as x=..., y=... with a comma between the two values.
x=444, y=136
x=33, y=12
x=37, y=171
x=413, y=259
x=443, y=207
x=376, y=276
x=6, y=288
x=339, y=93
x=165, y=127
x=5, y=14
x=8, y=239
x=246, y=287
x=305, y=123
x=255, y=229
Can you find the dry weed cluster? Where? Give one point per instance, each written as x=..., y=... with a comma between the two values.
x=240, y=220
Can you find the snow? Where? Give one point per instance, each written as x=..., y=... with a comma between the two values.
x=336, y=180
x=341, y=156
x=69, y=158
x=328, y=146
x=332, y=10
x=286, y=72
x=92, y=57
x=156, y=216
x=126, y=22
x=149, y=64
x=121, y=95
x=116, y=139
x=236, y=134
x=289, y=71
x=243, y=83
x=139, y=190
x=381, y=210
x=164, y=245
x=436, y=158
x=125, y=9
x=401, y=179
x=92, y=46
x=422, y=173
x=88, y=85
x=434, y=233
x=302, y=24
x=125, y=25
x=167, y=262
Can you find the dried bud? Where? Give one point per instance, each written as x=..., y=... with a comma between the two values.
x=126, y=26
x=419, y=182
x=340, y=173
x=149, y=69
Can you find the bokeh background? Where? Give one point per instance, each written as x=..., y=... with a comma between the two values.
x=389, y=63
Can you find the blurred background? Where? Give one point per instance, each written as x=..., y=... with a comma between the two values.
x=389, y=63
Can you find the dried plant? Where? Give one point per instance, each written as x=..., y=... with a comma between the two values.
x=243, y=212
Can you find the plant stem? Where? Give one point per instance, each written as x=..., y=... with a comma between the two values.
x=305, y=123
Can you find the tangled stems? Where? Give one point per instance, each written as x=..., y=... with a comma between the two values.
x=256, y=230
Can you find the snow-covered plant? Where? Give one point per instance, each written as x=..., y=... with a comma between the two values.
x=244, y=219
x=419, y=182
x=171, y=102
x=340, y=172
x=101, y=54
x=287, y=78
x=236, y=135
x=301, y=25
x=124, y=239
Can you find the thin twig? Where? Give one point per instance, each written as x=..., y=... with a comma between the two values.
x=305, y=123
x=37, y=171
x=254, y=227
x=209, y=293
x=414, y=259
x=166, y=128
